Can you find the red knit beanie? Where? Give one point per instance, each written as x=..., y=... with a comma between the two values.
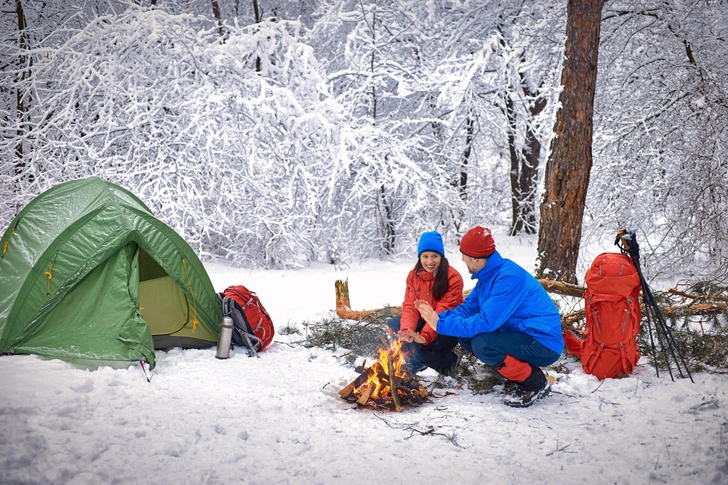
x=477, y=243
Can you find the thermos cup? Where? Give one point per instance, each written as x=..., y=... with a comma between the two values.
x=223, y=338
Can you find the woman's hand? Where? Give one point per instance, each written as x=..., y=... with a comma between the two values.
x=428, y=313
x=409, y=335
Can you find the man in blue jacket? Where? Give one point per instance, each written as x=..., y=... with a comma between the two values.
x=508, y=321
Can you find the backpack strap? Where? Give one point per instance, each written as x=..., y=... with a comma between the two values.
x=626, y=366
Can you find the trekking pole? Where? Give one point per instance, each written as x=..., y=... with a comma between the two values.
x=635, y=256
x=664, y=333
x=629, y=242
x=659, y=331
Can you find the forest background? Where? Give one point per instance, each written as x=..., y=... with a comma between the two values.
x=275, y=133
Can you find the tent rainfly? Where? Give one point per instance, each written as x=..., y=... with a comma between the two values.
x=90, y=276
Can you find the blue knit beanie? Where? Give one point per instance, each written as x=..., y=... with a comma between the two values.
x=430, y=241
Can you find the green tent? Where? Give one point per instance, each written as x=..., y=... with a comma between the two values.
x=89, y=275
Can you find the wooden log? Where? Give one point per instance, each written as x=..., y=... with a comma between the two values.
x=346, y=392
x=343, y=305
x=673, y=311
x=694, y=309
x=342, y=293
x=393, y=381
x=562, y=288
x=410, y=383
x=351, y=387
x=366, y=394
x=694, y=297
x=572, y=318
x=356, y=383
x=344, y=311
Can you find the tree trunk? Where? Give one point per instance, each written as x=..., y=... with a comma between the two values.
x=256, y=10
x=389, y=232
x=524, y=169
x=22, y=102
x=569, y=165
x=462, y=188
x=516, y=222
x=218, y=17
x=461, y=182
x=386, y=210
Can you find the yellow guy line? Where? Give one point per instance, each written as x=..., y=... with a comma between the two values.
x=194, y=302
x=5, y=246
x=50, y=277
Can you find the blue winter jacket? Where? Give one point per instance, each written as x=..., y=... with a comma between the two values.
x=506, y=298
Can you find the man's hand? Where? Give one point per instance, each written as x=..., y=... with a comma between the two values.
x=409, y=335
x=428, y=313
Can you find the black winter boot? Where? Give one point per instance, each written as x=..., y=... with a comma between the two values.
x=534, y=387
x=509, y=387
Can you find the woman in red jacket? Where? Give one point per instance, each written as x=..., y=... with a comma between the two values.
x=433, y=280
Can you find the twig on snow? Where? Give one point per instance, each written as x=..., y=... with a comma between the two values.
x=559, y=449
x=451, y=437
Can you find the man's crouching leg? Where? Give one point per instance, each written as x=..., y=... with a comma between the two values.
x=525, y=383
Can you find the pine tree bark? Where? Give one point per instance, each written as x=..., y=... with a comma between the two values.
x=569, y=165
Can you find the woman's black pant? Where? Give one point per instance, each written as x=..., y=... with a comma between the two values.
x=438, y=354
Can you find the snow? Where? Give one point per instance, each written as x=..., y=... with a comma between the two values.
x=279, y=419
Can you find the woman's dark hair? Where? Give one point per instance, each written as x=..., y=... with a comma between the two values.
x=441, y=277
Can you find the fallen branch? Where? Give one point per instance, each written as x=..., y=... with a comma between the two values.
x=344, y=311
x=694, y=308
x=561, y=288
x=694, y=297
x=343, y=305
x=572, y=320
x=558, y=449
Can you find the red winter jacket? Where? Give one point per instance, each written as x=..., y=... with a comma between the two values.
x=419, y=287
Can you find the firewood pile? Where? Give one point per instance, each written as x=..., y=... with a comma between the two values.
x=385, y=384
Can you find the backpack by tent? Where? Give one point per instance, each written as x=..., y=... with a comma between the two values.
x=89, y=275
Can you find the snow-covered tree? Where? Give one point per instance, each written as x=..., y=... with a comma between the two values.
x=660, y=133
x=275, y=132
x=232, y=158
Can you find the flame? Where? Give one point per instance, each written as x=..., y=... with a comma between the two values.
x=392, y=358
x=387, y=382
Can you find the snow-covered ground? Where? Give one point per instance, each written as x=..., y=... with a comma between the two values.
x=279, y=419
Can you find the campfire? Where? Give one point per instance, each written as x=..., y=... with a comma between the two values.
x=385, y=384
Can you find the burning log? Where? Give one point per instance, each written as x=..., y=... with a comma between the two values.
x=366, y=394
x=385, y=384
x=355, y=384
x=394, y=389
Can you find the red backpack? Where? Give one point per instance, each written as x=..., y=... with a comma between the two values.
x=256, y=320
x=611, y=303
